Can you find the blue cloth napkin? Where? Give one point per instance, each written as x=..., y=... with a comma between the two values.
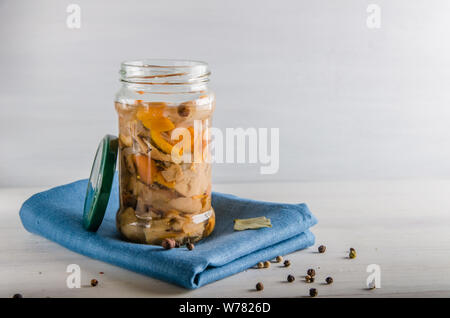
x=56, y=214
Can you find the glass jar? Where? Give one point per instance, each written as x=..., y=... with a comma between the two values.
x=165, y=109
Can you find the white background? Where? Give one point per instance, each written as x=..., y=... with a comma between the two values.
x=351, y=102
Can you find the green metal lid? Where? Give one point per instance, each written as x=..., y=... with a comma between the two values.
x=100, y=182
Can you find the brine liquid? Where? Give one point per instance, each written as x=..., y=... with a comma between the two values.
x=165, y=190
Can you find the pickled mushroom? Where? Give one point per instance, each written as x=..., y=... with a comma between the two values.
x=129, y=225
x=162, y=197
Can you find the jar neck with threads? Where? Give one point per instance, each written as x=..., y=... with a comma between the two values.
x=165, y=76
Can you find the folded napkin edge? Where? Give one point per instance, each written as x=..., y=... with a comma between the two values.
x=268, y=252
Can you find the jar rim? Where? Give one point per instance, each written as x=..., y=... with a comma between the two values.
x=164, y=63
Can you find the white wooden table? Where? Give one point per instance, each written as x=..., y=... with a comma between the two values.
x=403, y=226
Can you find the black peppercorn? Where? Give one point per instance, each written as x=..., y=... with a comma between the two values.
x=290, y=278
x=329, y=280
x=17, y=296
x=322, y=248
x=190, y=246
x=311, y=272
x=313, y=292
x=287, y=263
x=309, y=279
x=168, y=243
x=183, y=110
x=259, y=286
x=94, y=282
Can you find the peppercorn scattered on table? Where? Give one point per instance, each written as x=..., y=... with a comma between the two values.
x=402, y=226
